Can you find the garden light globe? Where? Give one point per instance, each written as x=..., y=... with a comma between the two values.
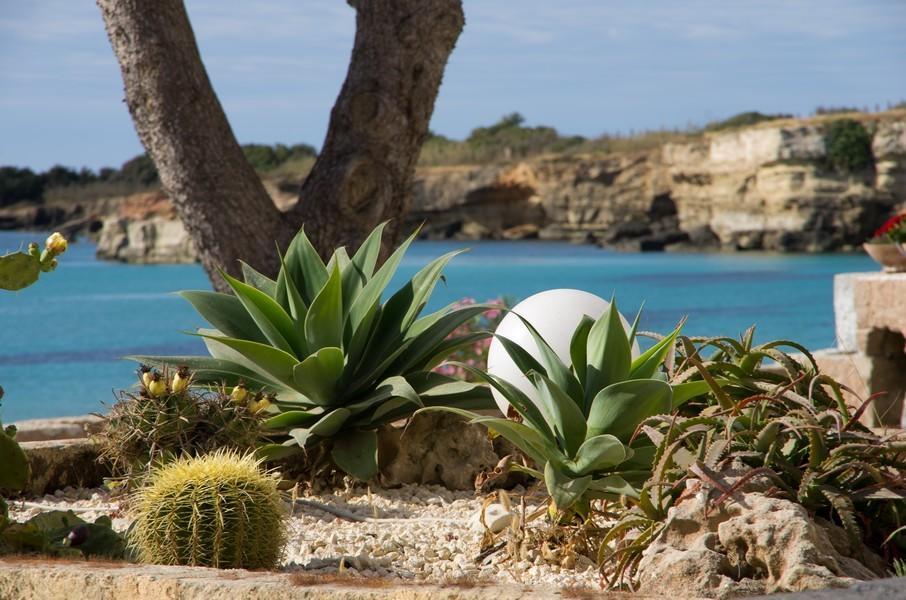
x=555, y=314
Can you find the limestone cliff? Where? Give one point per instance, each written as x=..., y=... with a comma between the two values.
x=760, y=187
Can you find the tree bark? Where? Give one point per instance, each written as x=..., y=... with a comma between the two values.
x=364, y=171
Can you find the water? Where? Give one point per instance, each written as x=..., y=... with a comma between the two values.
x=61, y=340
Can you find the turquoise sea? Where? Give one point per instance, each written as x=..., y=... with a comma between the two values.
x=61, y=340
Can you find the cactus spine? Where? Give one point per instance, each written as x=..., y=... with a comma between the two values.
x=216, y=510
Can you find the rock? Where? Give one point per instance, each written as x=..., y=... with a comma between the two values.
x=61, y=428
x=497, y=517
x=750, y=544
x=55, y=465
x=435, y=448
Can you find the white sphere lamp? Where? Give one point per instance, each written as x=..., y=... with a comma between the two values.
x=555, y=314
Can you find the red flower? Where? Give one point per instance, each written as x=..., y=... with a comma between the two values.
x=891, y=223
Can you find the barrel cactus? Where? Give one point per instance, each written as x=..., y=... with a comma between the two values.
x=216, y=510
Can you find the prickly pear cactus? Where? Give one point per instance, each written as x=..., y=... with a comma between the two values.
x=18, y=271
x=21, y=269
x=13, y=464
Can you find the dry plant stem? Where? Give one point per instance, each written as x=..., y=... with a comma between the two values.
x=351, y=516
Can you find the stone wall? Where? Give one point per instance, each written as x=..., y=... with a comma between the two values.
x=870, y=358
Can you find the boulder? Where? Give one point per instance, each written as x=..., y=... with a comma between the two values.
x=749, y=544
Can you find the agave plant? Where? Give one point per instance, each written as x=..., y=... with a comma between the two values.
x=770, y=410
x=340, y=361
x=579, y=426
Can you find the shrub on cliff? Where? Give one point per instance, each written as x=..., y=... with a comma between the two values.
x=744, y=119
x=848, y=146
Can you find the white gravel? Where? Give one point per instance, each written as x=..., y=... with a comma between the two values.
x=414, y=532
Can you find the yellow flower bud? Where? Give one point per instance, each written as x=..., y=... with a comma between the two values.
x=239, y=393
x=181, y=380
x=259, y=406
x=157, y=386
x=56, y=243
x=144, y=374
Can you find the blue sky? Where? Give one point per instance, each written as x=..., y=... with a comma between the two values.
x=584, y=66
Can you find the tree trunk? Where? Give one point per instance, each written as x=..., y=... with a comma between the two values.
x=363, y=173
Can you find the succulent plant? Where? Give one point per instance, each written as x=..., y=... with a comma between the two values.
x=337, y=360
x=62, y=533
x=21, y=269
x=771, y=410
x=167, y=418
x=14, y=474
x=579, y=428
x=216, y=510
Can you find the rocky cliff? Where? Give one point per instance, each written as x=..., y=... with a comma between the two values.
x=762, y=187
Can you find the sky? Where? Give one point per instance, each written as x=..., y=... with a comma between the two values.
x=586, y=67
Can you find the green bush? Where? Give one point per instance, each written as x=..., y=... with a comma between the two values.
x=848, y=146
x=744, y=119
x=340, y=361
x=217, y=510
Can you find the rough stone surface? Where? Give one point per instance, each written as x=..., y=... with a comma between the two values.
x=892, y=588
x=60, y=428
x=436, y=448
x=62, y=463
x=750, y=544
x=42, y=580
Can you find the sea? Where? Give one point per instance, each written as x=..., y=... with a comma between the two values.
x=63, y=339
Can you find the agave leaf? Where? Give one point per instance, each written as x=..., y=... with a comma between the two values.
x=600, y=452
x=635, y=325
x=358, y=339
x=563, y=488
x=330, y=423
x=209, y=370
x=361, y=267
x=524, y=361
x=371, y=292
x=288, y=295
x=424, y=345
x=226, y=313
x=608, y=353
x=273, y=361
x=447, y=348
x=258, y=280
x=613, y=485
x=619, y=408
x=563, y=415
x=292, y=419
x=269, y=316
x=403, y=308
x=554, y=368
x=392, y=387
x=578, y=348
x=646, y=365
x=271, y=452
x=317, y=375
x=306, y=266
x=683, y=392
x=523, y=437
x=521, y=403
x=356, y=452
x=324, y=321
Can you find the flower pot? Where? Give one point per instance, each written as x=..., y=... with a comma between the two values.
x=892, y=257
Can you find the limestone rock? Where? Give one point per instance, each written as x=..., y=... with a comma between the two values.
x=435, y=448
x=752, y=544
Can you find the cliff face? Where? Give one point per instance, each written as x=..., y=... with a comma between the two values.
x=762, y=187
x=757, y=188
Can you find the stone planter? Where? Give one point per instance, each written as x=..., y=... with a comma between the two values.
x=892, y=257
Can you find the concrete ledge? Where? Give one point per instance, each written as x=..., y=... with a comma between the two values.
x=893, y=588
x=26, y=579
x=60, y=463
x=62, y=428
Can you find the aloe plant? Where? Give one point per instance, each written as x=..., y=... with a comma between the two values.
x=340, y=361
x=579, y=426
